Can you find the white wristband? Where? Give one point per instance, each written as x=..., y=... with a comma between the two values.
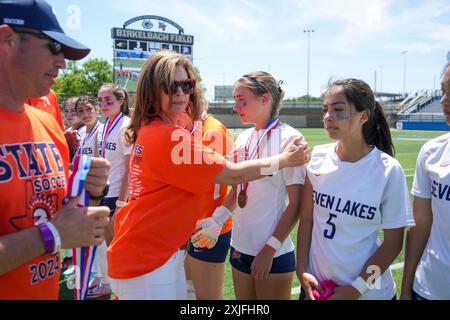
x=274, y=243
x=56, y=236
x=361, y=285
x=120, y=204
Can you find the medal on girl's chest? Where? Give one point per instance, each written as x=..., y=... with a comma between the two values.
x=242, y=198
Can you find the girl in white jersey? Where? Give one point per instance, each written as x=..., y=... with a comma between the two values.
x=113, y=102
x=354, y=188
x=427, y=258
x=262, y=252
x=87, y=110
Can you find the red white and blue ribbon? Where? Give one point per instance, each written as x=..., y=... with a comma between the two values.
x=82, y=257
x=272, y=125
x=107, y=129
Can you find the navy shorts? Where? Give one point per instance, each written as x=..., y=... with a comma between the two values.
x=281, y=264
x=217, y=254
x=110, y=203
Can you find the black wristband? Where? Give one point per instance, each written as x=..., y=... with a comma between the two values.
x=100, y=197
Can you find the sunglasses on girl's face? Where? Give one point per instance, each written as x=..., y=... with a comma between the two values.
x=54, y=46
x=187, y=86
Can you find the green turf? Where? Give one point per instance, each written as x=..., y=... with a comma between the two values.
x=406, y=153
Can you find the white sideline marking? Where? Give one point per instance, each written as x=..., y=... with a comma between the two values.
x=396, y=266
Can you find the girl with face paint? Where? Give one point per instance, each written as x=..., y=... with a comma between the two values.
x=427, y=260
x=354, y=188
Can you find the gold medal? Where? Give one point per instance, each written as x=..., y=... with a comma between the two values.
x=242, y=198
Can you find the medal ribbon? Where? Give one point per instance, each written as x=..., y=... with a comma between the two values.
x=107, y=129
x=82, y=257
x=88, y=136
x=273, y=124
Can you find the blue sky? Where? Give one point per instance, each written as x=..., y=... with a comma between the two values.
x=352, y=38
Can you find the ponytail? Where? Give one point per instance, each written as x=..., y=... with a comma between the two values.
x=376, y=131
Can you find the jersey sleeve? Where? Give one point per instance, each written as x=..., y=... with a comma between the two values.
x=126, y=148
x=395, y=206
x=293, y=175
x=422, y=184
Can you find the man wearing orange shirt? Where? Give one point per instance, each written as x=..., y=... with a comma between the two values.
x=34, y=157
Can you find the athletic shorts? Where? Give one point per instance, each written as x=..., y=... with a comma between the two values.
x=217, y=254
x=281, y=264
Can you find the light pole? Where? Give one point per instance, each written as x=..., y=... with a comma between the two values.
x=404, y=71
x=308, y=31
x=381, y=78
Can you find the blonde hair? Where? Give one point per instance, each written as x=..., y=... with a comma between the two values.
x=158, y=73
x=260, y=82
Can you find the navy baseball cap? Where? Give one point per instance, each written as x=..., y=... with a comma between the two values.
x=39, y=15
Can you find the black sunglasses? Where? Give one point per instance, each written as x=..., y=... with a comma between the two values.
x=54, y=46
x=187, y=86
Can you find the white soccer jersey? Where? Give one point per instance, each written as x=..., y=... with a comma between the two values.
x=352, y=203
x=254, y=224
x=115, y=150
x=432, y=181
x=89, y=142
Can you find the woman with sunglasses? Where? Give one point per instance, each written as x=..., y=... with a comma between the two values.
x=354, y=189
x=171, y=171
x=262, y=252
x=426, y=275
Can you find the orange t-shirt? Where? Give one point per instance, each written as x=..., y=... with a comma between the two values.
x=34, y=160
x=48, y=103
x=216, y=137
x=170, y=173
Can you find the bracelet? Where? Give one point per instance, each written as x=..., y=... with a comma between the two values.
x=361, y=285
x=56, y=236
x=274, y=243
x=47, y=236
x=120, y=204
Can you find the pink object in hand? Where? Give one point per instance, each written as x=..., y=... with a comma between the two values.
x=327, y=287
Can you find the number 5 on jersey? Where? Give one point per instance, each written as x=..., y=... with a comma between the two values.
x=329, y=232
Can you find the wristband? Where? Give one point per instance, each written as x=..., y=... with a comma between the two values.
x=274, y=243
x=47, y=236
x=120, y=204
x=361, y=285
x=56, y=236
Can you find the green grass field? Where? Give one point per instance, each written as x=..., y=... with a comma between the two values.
x=407, y=145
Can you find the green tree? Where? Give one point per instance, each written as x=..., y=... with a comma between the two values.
x=86, y=79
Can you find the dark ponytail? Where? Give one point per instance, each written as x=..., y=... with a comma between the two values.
x=376, y=130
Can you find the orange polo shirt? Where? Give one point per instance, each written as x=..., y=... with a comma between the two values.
x=34, y=160
x=170, y=174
